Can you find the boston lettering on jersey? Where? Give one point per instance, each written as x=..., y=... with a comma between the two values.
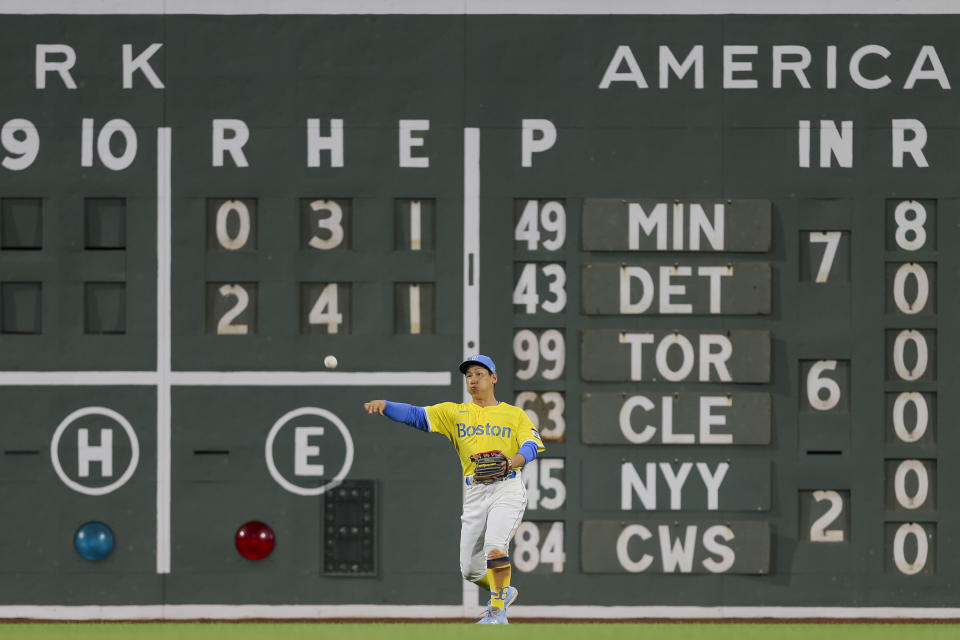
x=465, y=431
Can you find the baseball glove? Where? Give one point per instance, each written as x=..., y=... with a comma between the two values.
x=490, y=466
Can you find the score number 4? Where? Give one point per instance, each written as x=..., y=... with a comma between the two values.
x=538, y=546
x=551, y=217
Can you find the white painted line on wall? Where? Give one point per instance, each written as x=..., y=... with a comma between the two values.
x=225, y=378
x=164, y=338
x=517, y=612
x=471, y=244
x=471, y=284
x=77, y=378
x=310, y=378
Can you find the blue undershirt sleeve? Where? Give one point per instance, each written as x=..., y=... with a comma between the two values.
x=408, y=414
x=528, y=451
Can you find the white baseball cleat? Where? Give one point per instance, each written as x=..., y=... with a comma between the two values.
x=512, y=593
x=494, y=616
x=511, y=596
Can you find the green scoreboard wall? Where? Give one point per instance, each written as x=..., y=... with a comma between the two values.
x=713, y=256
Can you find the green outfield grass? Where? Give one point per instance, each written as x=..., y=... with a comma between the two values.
x=465, y=631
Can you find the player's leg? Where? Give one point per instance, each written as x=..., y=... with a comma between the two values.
x=498, y=576
x=473, y=565
x=503, y=519
x=473, y=523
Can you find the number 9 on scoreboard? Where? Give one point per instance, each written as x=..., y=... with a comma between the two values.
x=539, y=353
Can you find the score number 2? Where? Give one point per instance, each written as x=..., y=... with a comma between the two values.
x=825, y=516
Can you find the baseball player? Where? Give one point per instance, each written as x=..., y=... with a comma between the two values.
x=494, y=441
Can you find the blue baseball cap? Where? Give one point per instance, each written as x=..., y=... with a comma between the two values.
x=484, y=361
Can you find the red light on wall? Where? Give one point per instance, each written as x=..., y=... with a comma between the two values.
x=255, y=540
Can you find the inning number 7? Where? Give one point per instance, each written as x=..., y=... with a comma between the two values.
x=832, y=240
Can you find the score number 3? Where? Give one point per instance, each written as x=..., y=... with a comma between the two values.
x=550, y=216
x=525, y=293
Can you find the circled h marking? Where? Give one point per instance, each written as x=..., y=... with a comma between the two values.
x=347, y=460
x=95, y=411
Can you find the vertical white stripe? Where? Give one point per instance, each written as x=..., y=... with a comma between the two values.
x=471, y=283
x=677, y=227
x=164, y=146
x=415, y=308
x=471, y=244
x=415, y=234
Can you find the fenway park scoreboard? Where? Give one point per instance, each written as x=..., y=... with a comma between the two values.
x=714, y=257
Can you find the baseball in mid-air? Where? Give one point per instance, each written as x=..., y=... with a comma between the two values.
x=330, y=362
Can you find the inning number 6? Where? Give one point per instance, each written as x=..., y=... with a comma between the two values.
x=817, y=383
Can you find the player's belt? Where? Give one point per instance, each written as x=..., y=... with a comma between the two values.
x=469, y=481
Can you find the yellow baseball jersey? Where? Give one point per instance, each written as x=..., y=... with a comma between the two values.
x=474, y=429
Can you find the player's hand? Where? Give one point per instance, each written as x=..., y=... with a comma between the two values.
x=490, y=466
x=375, y=406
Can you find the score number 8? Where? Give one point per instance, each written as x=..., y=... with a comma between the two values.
x=531, y=550
x=910, y=226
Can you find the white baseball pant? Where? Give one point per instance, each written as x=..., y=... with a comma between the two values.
x=491, y=514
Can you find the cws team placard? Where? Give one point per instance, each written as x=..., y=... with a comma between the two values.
x=712, y=255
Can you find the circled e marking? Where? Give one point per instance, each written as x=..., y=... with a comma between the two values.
x=347, y=459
